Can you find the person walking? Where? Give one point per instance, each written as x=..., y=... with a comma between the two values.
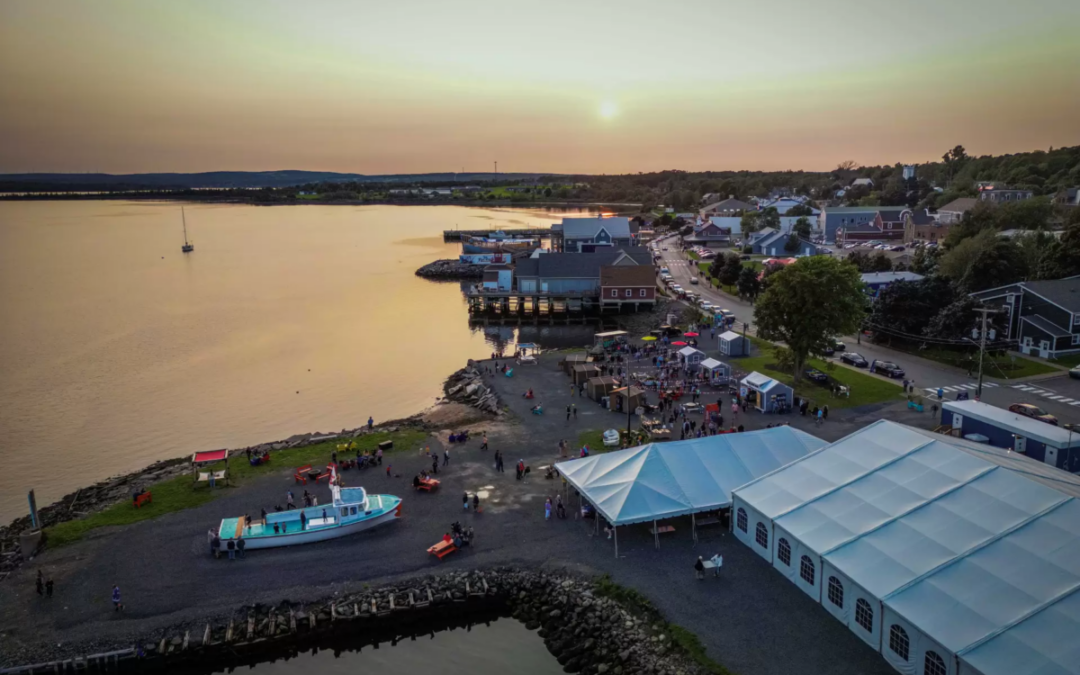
x=699, y=568
x=378, y=456
x=465, y=502
x=567, y=413
x=572, y=389
x=476, y=502
x=40, y=583
x=231, y=545
x=820, y=417
x=240, y=543
x=574, y=407
x=434, y=463
x=560, y=509
x=547, y=509
x=484, y=443
x=446, y=456
x=499, y=462
x=825, y=412
x=290, y=502
x=117, y=605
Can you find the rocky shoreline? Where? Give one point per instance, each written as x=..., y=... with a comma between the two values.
x=451, y=270
x=586, y=629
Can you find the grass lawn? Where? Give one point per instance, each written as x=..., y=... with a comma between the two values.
x=593, y=439
x=177, y=494
x=864, y=388
x=1068, y=361
x=692, y=255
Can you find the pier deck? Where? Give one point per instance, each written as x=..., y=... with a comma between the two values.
x=458, y=235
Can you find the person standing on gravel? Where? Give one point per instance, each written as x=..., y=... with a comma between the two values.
x=117, y=605
x=484, y=443
x=699, y=568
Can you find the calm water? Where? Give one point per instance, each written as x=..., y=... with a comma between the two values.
x=504, y=646
x=117, y=350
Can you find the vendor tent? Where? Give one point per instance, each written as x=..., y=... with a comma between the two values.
x=582, y=372
x=664, y=480
x=949, y=557
x=599, y=387
x=764, y=393
x=637, y=398
x=716, y=371
x=733, y=344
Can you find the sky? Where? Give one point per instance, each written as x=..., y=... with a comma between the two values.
x=563, y=86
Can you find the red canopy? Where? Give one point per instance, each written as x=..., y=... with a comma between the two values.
x=679, y=344
x=690, y=334
x=210, y=456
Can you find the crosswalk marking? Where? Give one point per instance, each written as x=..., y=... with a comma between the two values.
x=969, y=386
x=1056, y=398
x=1067, y=400
x=1046, y=393
x=1027, y=388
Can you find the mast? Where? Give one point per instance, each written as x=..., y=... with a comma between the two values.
x=184, y=218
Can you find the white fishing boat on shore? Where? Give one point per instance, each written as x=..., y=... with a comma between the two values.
x=352, y=510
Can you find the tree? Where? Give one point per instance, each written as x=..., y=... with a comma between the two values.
x=802, y=227
x=750, y=222
x=847, y=165
x=770, y=217
x=717, y=266
x=880, y=263
x=1062, y=258
x=954, y=321
x=808, y=303
x=984, y=261
x=905, y=308
x=800, y=210
x=792, y=243
x=749, y=285
x=729, y=273
x=925, y=260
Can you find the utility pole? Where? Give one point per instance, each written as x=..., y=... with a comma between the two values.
x=985, y=311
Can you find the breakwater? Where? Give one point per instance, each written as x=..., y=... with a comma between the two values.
x=585, y=629
x=451, y=270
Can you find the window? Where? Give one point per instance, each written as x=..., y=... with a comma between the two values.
x=740, y=519
x=614, y=293
x=836, y=592
x=761, y=535
x=644, y=293
x=783, y=551
x=1076, y=339
x=934, y=664
x=806, y=569
x=864, y=615
x=898, y=642
x=629, y=293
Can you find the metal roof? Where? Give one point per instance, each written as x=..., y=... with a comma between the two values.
x=1017, y=424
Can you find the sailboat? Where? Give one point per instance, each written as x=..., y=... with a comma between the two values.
x=188, y=247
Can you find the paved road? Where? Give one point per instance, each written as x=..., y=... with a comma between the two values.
x=1058, y=395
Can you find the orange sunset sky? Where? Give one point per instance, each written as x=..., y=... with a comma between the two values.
x=563, y=86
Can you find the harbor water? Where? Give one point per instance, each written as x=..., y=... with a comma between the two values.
x=117, y=350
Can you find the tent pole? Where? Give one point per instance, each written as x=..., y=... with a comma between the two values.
x=655, y=536
x=693, y=525
x=616, y=529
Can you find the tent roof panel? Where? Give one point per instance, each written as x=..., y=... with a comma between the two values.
x=1045, y=644
x=677, y=478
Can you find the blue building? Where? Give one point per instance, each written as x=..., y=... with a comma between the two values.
x=775, y=245
x=875, y=281
x=1037, y=440
x=833, y=218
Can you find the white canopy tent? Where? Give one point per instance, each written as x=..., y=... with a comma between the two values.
x=664, y=480
x=936, y=551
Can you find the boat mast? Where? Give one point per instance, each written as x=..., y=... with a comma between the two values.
x=184, y=218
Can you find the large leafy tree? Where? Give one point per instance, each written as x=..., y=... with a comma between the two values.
x=749, y=284
x=802, y=227
x=905, y=308
x=792, y=243
x=1062, y=258
x=800, y=210
x=808, y=303
x=770, y=217
x=729, y=273
x=984, y=261
x=751, y=222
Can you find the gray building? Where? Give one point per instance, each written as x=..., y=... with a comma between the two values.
x=833, y=218
x=574, y=272
x=587, y=234
x=1042, y=317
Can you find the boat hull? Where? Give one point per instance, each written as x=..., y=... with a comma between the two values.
x=313, y=536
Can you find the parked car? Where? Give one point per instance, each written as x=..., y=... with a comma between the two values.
x=1034, y=412
x=886, y=368
x=816, y=375
x=839, y=346
x=854, y=359
x=665, y=270
x=1074, y=372
x=897, y=248
x=727, y=313
x=707, y=306
x=694, y=280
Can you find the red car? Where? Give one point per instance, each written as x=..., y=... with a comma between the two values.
x=1034, y=412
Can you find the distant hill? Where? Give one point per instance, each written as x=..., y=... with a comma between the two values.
x=228, y=179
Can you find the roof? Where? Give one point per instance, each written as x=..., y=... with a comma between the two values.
x=586, y=367
x=664, y=480
x=770, y=239
x=587, y=228
x=210, y=456
x=603, y=379
x=862, y=181
x=968, y=544
x=893, y=215
x=889, y=277
x=1017, y=424
x=578, y=265
x=690, y=351
x=922, y=217
x=763, y=383
x=711, y=363
x=730, y=335
x=857, y=209
x=960, y=205
x=1062, y=292
x=729, y=204
x=861, y=227
x=1048, y=327
x=628, y=275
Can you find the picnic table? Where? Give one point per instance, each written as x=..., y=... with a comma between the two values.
x=661, y=529
x=301, y=474
x=427, y=484
x=693, y=407
x=714, y=563
x=442, y=549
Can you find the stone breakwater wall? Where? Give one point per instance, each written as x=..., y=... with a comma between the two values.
x=467, y=386
x=101, y=495
x=586, y=632
x=451, y=270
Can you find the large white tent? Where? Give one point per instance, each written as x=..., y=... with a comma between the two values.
x=938, y=552
x=664, y=480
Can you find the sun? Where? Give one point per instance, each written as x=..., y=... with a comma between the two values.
x=608, y=109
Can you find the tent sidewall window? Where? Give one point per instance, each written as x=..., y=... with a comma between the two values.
x=918, y=645
x=798, y=550
x=846, y=614
x=750, y=536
